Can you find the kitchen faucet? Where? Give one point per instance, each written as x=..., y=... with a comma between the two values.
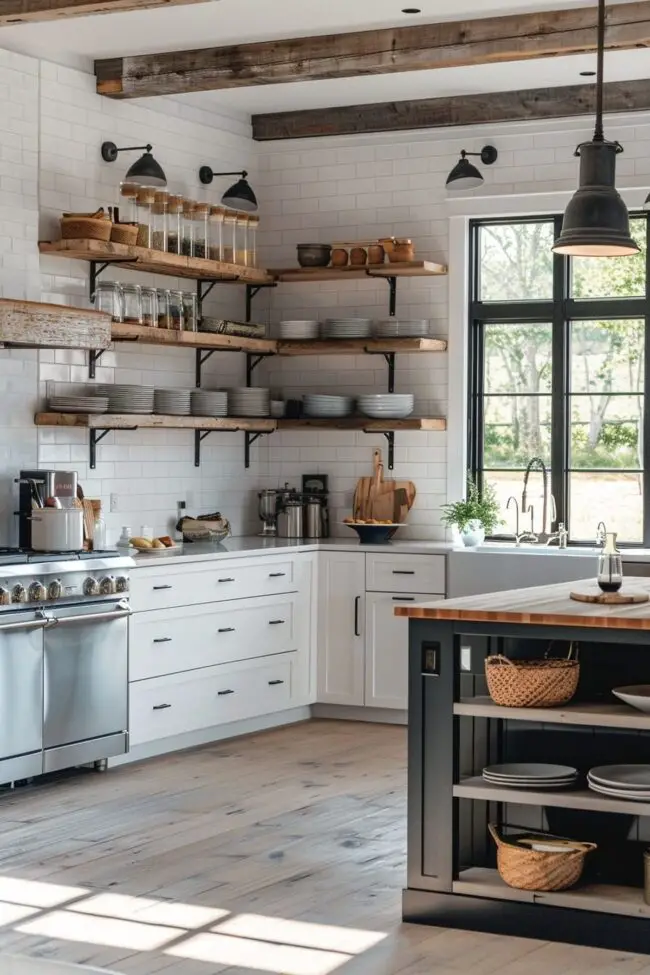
x=513, y=498
x=601, y=533
x=536, y=463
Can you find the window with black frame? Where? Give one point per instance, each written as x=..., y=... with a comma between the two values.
x=558, y=371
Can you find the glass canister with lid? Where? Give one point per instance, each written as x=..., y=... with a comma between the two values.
x=229, y=236
x=132, y=304
x=190, y=312
x=149, y=307
x=201, y=230
x=108, y=298
x=162, y=303
x=176, y=310
x=187, y=232
x=253, y=225
x=175, y=224
x=216, y=233
x=128, y=206
x=144, y=200
x=241, y=251
x=159, y=220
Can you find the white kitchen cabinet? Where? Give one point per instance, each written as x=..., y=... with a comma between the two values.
x=341, y=623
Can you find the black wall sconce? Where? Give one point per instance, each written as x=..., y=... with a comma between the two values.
x=145, y=171
x=239, y=196
x=464, y=175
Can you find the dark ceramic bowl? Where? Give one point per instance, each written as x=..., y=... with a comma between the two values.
x=314, y=255
x=373, y=534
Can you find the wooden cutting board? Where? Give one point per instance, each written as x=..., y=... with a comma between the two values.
x=610, y=598
x=376, y=497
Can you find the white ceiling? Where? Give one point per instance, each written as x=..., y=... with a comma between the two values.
x=79, y=41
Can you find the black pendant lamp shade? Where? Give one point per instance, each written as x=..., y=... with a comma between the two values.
x=145, y=171
x=464, y=175
x=239, y=196
x=596, y=222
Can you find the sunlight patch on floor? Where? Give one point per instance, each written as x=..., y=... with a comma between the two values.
x=260, y=955
x=300, y=933
x=100, y=931
x=186, y=916
x=33, y=893
x=10, y=913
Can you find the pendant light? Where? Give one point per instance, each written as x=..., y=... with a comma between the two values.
x=464, y=175
x=145, y=171
x=239, y=196
x=596, y=222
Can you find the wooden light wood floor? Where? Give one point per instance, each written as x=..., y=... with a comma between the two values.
x=305, y=823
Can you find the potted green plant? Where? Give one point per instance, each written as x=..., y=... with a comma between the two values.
x=476, y=516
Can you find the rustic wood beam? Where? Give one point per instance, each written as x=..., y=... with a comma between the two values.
x=33, y=11
x=432, y=113
x=393, y=50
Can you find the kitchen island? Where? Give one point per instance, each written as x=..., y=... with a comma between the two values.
x=455, y=730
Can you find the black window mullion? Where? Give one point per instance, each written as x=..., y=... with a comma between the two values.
x=560, y=411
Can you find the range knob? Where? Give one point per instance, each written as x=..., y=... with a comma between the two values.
x=5, y=596
x=37, y=592
x=19, y=594
x=108, y=586
x=121, y=584
x=55, y=589
x=91, y=587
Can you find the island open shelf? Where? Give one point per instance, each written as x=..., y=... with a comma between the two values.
x=585, y=714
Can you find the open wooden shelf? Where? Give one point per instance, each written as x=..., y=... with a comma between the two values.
x=597, y=715
x=146, y=335
x=360, y=346
x=152, y=421
x=603, y=898
x=37, y=325
x=407, y=269
x=478, y=788
x=154, y=262
x=365, y=423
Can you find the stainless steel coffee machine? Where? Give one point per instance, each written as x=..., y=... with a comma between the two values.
x=35, y=488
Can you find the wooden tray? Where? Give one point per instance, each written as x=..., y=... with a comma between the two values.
x=610, y=598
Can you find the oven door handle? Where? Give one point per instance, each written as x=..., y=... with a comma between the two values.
x=93, y=617
x=24, y=625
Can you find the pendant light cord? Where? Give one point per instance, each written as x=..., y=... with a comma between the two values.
x=599, y=134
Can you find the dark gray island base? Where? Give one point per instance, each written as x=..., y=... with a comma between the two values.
x=455, y=729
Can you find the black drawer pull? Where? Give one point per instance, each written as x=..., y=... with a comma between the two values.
x=403, y=599
x=162, y=587
x=276, y=575
x=230, y=579
x=161, y=707
x=276, y=622
x=272, y=683
x=223, y=693
x=226, y=629
x=163, y=639
x=403, y=572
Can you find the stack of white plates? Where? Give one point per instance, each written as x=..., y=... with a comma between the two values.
x=130, y=399
x=531, y=775
x=209, y=402
x=299, y=330
x=78, y=404
x=621, y=781
x=249, y=401
x=317, y=405
x=173, y=402
x=394, y=328
x=386, y=406
x=347, y=328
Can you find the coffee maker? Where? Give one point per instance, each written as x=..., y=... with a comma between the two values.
x=35, y=487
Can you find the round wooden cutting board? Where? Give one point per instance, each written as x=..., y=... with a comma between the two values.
x=620, y=598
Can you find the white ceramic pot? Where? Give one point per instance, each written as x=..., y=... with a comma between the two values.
x=472, y=534
x=57, y=529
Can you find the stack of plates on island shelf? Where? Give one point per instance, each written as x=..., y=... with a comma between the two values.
x=78, y=404
x=386, y=406
x=621, y=781
x=347, y=328
x=299, y=330
x=173, y=402
x=531, y=775
x=209, y=402
x=130, y=399
x=249, y=401
x=317, y=405
x=394, y=328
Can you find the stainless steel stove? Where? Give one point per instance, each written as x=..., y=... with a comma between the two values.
x=63, y=660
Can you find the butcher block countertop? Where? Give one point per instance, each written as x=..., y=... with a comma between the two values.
x=540, y=606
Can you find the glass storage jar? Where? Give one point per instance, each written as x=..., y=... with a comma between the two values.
x=216, y=233
x=150, y=307
x=108, y=298
x=187, y=233
x=229, y=236
x=253, y=225
x=162, y=302
x=242, y=239
x=202, y=230
x=144, y=200
x=190, y=312
x=176, y=310
x=174, y=224
x=159, y=220
x=128, y=204
x=132, y=304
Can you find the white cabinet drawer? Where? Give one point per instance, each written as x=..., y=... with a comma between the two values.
x=405, y=573
x=208, y=582
x=166, y=706
x=171, y=640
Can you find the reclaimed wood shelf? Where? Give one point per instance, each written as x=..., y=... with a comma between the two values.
x=601, y=715
x=34, y=324
x=603, y=898
x=146, y=335
x=360, y=346
x=154, y=262
x=152, y=421
x=477, y=788
x=406, y=269
x=365, y=423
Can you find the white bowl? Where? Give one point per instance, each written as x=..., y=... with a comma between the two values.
x=636, y=695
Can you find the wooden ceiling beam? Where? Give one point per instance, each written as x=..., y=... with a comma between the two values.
x=432, y=113
x=389, y=51
x=32, y=11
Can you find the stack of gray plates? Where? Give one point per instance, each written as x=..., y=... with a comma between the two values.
x=386, y=406
x=209, y=402
x=299, y=330
x=531, y=775
x=317, y=405
x=78, y=404
x=173, y=402
x=621, y=781
x=394, y=328
x=249, y=401
x=130, y=399
x=347, y=328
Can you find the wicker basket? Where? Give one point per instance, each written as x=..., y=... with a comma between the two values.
x=528, y=869
x=86, y=226
x=531, y=683
x=124, y=233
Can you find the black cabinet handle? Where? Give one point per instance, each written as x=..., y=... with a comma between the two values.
x=357, y=601
x=276, y=622
x=226, y=580
x=273, y=682
x=276, y=575
x=161, y=707
x=403, y=572
x=403, y=599
x=223, y=693
x=226, y=629
x=162, y=587
x=163, y=639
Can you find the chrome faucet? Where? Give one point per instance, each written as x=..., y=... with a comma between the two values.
x=516, y=503
x=601, y=533
x=561, y=536
x=528, y=536
x=536, y=463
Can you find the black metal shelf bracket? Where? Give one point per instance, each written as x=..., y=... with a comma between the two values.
x=94, y=356
x=392, y=301
x=94, y=436
x=390, y=437
x=252, y=362
x=96, y=268
x=249, y=440
x=201, y=358
x=251, y=291
x=390, y=360
x=199, y=437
